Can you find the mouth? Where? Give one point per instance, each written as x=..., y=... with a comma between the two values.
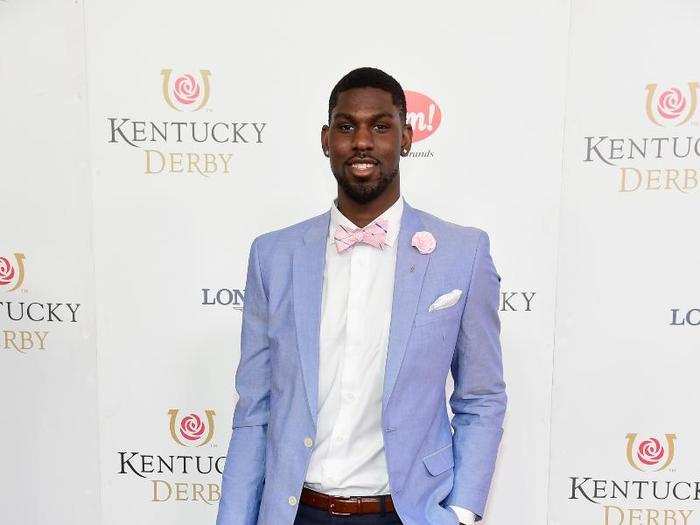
x=362, y=167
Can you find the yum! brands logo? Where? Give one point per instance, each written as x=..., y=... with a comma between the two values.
x=186, y=92
x=11, y=274
x=191, y=430
x=650, y=455
x=672, y=106
x=424, y=115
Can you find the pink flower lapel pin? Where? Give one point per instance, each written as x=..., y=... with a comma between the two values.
x=424, y=241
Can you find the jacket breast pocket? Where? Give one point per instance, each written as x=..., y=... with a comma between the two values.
x=451, y=313
x=439, y=461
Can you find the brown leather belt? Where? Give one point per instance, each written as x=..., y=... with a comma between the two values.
x=345, y=506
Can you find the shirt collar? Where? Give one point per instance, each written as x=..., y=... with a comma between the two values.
x=392, y=214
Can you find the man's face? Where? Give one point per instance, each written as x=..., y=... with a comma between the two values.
x=364, y=141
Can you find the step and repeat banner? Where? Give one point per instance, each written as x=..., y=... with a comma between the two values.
x=49, y=437
x=147, y=144
x=624, y=432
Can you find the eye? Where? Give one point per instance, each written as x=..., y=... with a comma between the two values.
x=344, y=127
x=382, y=127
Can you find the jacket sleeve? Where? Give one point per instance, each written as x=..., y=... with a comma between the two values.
x=479, y=398
x=243, y=476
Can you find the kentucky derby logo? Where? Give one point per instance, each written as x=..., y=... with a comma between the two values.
x=186, y=92
x=650, y=454
x=423, y=114
x=672, y=106
x=12, y=274
x=191, y=430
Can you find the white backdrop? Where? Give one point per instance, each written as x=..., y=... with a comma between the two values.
x=628, y=258
x=124, y=416
x=48, y=356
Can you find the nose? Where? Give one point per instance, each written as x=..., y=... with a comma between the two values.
x=363, y=139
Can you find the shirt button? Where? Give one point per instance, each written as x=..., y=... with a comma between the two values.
x=292, y=500
x=308, y=442
x=339, y=438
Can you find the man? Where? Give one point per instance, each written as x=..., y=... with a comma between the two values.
x=351, y=322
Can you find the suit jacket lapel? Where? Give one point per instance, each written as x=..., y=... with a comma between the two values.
x=309, y=262
x=408, y=282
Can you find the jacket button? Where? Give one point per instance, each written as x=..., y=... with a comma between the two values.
x=292, y=500
x=308, y=442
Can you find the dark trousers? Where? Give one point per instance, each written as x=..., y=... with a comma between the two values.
x=307, y=515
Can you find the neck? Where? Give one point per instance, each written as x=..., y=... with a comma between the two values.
x=362, y=214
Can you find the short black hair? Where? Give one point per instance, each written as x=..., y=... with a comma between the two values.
x=369, y=77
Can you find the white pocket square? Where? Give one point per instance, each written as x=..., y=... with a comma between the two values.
x=446, y=300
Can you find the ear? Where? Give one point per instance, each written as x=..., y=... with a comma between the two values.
x=406, y=137
x=324, y=138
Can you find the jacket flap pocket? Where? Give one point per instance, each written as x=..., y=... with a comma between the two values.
x=440, y=460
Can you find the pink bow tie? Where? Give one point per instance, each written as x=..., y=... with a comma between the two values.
x=373, y=234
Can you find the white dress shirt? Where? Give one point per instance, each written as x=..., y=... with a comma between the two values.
x=358, y=288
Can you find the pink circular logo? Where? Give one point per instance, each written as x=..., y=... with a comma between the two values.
x=192, y=427
x=671, y=103
x=650, y=451
x=423, y=114
x=186, y=89
x=7, y=271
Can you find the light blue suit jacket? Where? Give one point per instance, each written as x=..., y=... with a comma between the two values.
x=429, y=466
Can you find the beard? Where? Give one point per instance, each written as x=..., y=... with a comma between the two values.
x=365, y=192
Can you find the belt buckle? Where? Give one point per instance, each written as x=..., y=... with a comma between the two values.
x=333, y=512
